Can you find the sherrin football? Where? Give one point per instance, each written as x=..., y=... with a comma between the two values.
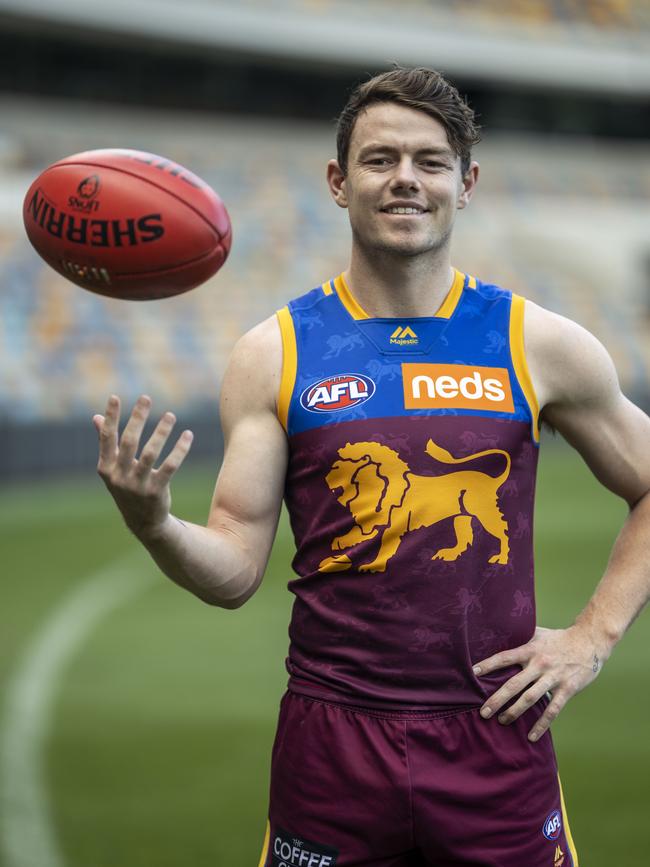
x=127, y=224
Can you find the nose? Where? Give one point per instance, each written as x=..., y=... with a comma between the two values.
x=405, y=176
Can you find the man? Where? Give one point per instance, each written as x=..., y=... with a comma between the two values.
x=415, y=727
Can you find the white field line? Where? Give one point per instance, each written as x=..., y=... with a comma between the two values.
x=27, y=834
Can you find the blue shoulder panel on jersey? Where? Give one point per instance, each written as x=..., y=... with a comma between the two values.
x=349, y=368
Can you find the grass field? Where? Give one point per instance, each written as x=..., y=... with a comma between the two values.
x=137, y=732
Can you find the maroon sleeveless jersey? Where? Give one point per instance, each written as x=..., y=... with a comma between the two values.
x=410, y=486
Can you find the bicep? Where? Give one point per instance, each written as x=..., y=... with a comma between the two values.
x=582, y=399
x=614, y=440
x=249, y=490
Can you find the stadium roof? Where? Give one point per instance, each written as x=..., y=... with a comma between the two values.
x=364, y=35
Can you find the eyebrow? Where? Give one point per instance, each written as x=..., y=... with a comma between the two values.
x=428, y=149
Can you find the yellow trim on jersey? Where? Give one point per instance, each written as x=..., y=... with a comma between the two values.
x=471, y=282
x=565, y=819
x=289, y=364
x=348, y=300
x=519, y=359
x=453, y=296
x=265, y=847
x=327, y=288
x=356, y=311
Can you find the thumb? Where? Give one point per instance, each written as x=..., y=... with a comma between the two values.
x=98, y=421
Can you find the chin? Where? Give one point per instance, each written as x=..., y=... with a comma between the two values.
x=408, y=247
x=406, y=244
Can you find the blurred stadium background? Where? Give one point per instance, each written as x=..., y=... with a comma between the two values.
x=137, y=724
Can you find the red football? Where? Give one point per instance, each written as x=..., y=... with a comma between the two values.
x=127, y=224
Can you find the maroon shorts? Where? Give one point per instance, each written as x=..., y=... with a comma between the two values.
x=353, y=786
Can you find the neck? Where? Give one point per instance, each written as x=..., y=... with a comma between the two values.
x=398, y=286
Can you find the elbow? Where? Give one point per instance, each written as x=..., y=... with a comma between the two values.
x=635, y=501
x=230, y=603
x=220, y=602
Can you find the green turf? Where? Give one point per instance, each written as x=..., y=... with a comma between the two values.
x=158, y=753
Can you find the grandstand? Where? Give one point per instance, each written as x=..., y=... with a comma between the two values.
x=607, y=15
x=559, y=218
x=595, y=46
x=562, y=223
x=161, y=713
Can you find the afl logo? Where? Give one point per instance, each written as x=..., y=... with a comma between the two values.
x=553, y=825
x=89, y=187
x=337, y=393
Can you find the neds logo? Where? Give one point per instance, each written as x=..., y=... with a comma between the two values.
x=456, y=386
x=337, y=392
x=553, y=825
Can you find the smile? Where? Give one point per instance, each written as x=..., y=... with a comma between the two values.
x=404, y=211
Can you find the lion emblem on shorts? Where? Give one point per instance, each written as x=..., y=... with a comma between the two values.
x=387, y=501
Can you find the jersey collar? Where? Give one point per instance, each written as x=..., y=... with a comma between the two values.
x=356, y=311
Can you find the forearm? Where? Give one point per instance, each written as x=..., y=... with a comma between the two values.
x=625, y=587
x=211, y=564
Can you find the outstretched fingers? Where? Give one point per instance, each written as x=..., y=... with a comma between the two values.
x=130, y=439
x=175, y=458
x=141, y=492
x=156, y=443
x=107, y=427
x=119, y=453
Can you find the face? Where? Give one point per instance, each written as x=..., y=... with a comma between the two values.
x=403, y=185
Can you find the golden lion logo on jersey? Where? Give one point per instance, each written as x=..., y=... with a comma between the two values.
x=385, y=497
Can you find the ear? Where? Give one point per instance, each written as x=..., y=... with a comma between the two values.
x=336, y=183
x=468, y=185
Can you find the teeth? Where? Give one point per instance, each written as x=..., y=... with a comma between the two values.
x=403, y=211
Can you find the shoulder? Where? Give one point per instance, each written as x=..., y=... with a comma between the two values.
x=580, y=396
x=321, y=294
x=483, y=297
x=263, y=337
x=254, y=369
x=488, y=291
x=568, y=365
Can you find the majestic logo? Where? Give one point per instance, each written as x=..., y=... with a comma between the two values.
x=387, y=500
x=558, y=860
x=337, y=393
x=553, y=825
x=404, y=336
x=456, y=386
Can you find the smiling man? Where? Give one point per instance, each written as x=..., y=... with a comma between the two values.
x=404, y=437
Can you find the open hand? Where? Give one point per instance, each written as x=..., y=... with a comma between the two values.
x=559, y=661
x=142, y=493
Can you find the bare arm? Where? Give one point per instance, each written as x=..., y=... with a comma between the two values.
x=578, y=389
x=223, y=562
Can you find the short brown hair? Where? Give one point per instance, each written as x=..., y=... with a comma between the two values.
x=420, y=88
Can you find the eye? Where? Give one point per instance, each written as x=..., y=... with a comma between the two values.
x=378, y=161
